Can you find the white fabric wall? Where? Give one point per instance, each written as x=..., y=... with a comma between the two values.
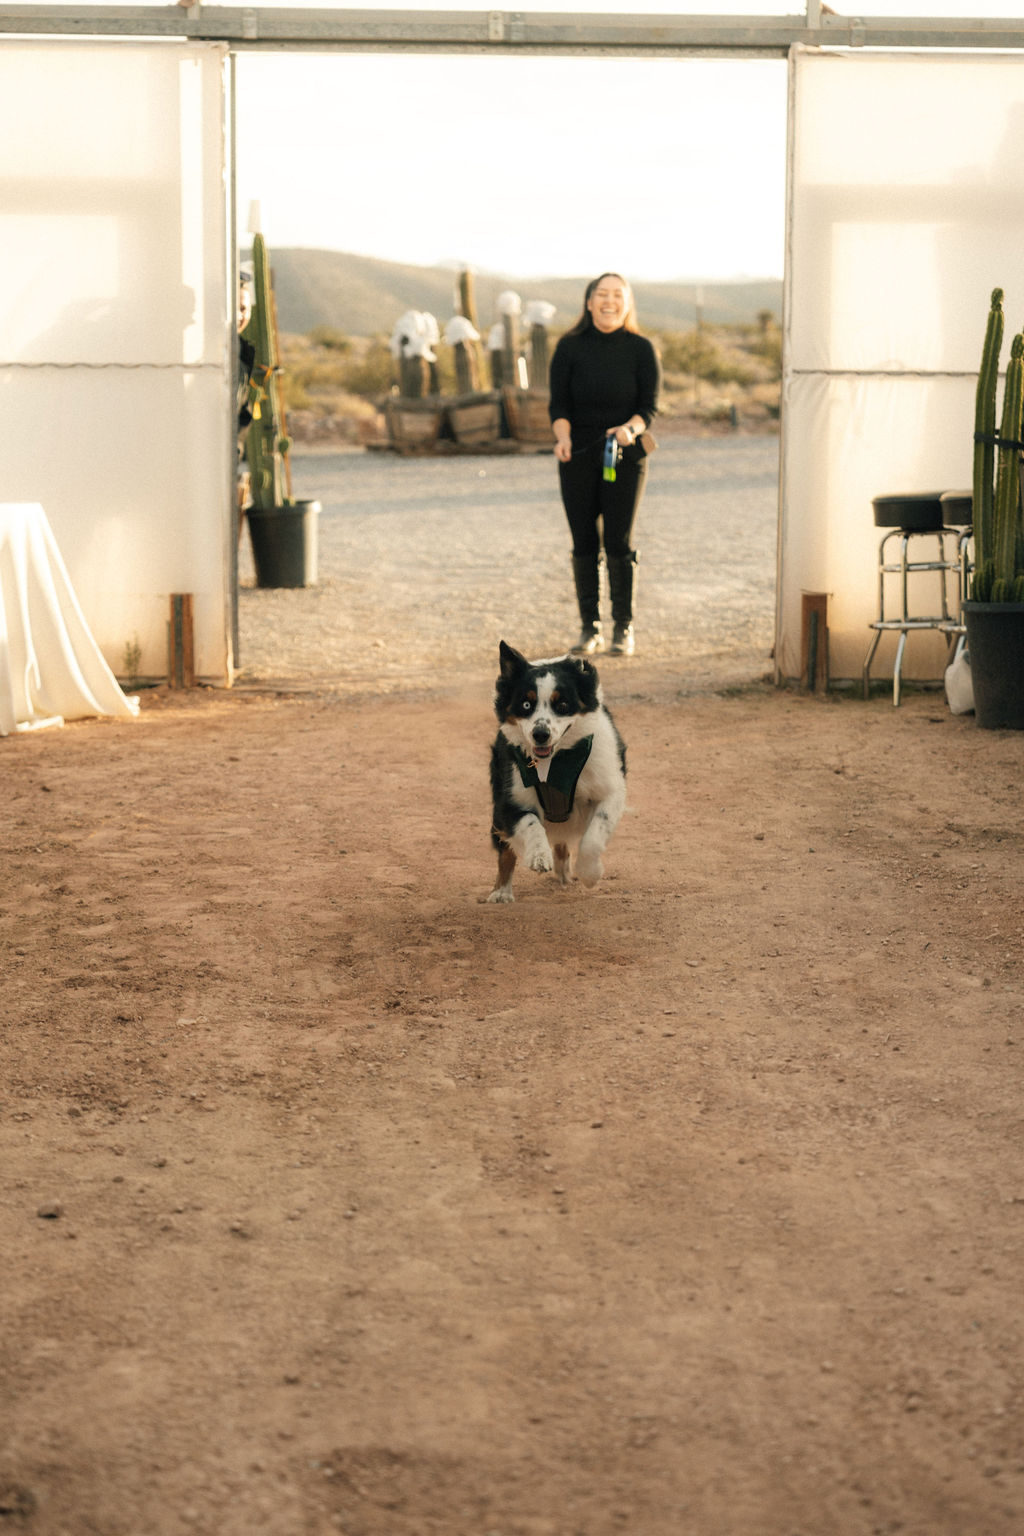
x=116, y=339
x=906, y=208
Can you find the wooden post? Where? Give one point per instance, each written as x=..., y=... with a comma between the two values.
x=181, y=666
x=814, y=641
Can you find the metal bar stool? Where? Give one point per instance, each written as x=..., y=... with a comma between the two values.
x=958, y=515
x=909, y=517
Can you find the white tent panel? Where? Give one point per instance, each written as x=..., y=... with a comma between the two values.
x=909, y=435
x=148, y=520
x=116, y=366
x=898, y=230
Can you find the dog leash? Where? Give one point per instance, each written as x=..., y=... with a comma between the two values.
x=587, y=447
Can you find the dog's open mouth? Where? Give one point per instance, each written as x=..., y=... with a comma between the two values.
x=542, y=760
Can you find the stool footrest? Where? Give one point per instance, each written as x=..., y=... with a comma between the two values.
x=939, y=622
x=921, y=565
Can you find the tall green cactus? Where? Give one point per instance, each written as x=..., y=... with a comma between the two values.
x=1008, y=580
x=466, y=297
x=266, y=446
x=984, y=431
x=998, y=524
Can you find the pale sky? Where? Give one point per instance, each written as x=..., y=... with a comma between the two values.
x=663, y=169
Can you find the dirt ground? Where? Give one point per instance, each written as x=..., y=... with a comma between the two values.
x=336, y=1200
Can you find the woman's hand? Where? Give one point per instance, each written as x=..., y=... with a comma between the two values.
x=563, y=450
x=623, y=435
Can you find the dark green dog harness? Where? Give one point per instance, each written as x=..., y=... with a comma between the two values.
x=557, y=793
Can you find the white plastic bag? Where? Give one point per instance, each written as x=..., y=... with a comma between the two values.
x=959, y=688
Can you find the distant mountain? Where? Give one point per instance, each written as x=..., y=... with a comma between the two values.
x=362, y=296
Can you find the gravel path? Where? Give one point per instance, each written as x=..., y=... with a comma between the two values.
x=424, y=564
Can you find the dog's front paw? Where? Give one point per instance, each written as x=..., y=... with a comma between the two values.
x=589, y=867
x=537, y=851
x=501, y=893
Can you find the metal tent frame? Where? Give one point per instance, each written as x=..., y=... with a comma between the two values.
x=508, y=32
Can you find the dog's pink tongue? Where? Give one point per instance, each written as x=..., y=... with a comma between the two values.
x=541, y=766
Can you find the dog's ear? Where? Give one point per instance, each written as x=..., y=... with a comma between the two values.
x=589, y=687
x=512, y=666
x=511, y=660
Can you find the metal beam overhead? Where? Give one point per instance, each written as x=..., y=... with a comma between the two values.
x=505, y=32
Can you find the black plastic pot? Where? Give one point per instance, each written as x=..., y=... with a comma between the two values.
x=284, y=544
x=995, y=644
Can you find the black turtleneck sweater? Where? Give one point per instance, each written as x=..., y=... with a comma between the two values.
x=599, y=379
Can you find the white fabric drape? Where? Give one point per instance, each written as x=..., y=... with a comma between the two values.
x=51, y=668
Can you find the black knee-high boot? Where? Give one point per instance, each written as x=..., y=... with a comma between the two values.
x=587, y=576
x=622, y=585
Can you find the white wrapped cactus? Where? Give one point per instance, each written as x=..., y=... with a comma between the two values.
x=462, y=336
x=414, y=334
x=459, y=330
x=538, y=316
x=411, y=344
x=539, y=312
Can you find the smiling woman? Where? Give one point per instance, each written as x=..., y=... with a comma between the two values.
x=604, y=395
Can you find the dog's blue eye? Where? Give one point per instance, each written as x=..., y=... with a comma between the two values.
x=526, y=706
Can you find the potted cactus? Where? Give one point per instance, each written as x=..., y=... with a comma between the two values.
x=474, y=414
x=283, y=532
x=994, y=612
x=527, y=406
x=413, y=412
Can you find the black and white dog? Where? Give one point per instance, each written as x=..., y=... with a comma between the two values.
x=558, y=770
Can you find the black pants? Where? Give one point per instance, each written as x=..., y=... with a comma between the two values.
x=590, y=500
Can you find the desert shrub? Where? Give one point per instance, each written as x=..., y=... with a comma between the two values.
x=296, y=396
x=371, y=374
x=702, y=353
x=330, y=337
x=315, y=371
x=768, y=347
x=306, y=373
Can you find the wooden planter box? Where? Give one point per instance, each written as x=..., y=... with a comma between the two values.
x=475, y=419
x=413, y=425
x=527, y=412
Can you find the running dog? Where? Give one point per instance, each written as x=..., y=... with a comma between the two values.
x=558, y=770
